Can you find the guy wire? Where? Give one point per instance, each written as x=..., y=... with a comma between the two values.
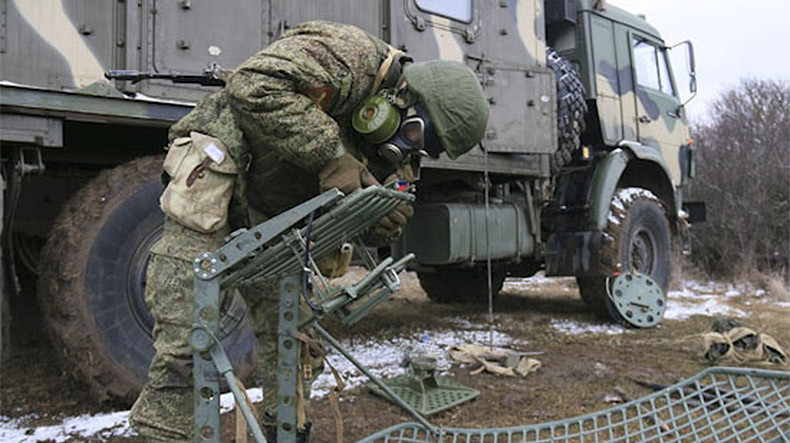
x=488, y=253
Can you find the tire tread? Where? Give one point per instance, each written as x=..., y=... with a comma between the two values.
x=67, y=320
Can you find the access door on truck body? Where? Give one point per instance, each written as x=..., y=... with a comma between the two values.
x=504, y=43
x=370, y=15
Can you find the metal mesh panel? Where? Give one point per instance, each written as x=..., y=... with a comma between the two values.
x=428, y=396
x=718, y=404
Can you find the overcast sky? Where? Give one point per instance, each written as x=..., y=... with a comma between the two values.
x=732, y=40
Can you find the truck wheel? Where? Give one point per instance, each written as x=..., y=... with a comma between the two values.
x=636, y=238
x=571, y=109
x=460, y=285
x=92, y=282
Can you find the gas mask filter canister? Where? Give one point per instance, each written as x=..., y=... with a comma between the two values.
x=395, y=133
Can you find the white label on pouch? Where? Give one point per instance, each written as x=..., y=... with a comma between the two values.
x=215, y=153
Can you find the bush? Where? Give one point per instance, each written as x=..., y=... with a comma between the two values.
x=743, y=175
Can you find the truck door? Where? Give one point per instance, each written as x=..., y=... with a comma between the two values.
x=503, y=44
x=366, y=14
x=519, y=86
x=660, y=119
x=431, y=29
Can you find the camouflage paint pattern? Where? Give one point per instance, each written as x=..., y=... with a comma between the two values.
x=449, y=44
x=46, y=29
x=528, y=18
x=70, y=44
x=75, y=43
x=629, y=112
x=510, y=32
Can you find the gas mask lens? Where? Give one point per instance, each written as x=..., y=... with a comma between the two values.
x=413, y=131
x=410, y=139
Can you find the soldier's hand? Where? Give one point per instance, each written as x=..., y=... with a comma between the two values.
x=388, y=228
x=345, y=173
x=392, y=224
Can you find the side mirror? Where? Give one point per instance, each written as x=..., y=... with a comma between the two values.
x=691, y=68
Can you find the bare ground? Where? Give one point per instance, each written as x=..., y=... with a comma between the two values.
x=579, y=374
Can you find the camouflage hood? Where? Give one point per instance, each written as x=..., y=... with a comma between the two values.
x=452, y=96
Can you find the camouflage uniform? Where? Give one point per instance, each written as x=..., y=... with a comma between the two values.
x=283, y=115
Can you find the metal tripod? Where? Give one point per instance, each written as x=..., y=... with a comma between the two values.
x=280, y=248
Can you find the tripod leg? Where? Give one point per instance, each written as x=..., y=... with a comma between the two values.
x=287, y=364
x=204, y=370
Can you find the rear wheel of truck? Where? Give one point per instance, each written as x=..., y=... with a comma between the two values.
x=571, y=108
x=460, y=285
x=636, y=238
x=92, y=282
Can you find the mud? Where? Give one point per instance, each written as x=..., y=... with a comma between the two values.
x=583, y=368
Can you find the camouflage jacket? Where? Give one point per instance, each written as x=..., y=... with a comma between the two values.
x=286, y=110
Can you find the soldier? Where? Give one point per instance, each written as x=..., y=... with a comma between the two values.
x=279, y=133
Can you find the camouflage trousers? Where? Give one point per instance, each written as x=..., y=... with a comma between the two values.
x=164, y=411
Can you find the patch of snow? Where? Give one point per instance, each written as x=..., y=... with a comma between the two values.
x=100, y=426
x=702, y=299
x=8, y=83
x=571, y=327
x=462, y=323
x=145, y=98
x=708, y=287
x=627, y=195
x=677, y=310
x=539, y=280
x=227, y=402
x=383, y=357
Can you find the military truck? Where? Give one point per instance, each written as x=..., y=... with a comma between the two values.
x=581, y=172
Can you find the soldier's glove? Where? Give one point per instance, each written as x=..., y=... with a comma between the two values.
x=392, y=223
x=345, y=173
x=389, y=227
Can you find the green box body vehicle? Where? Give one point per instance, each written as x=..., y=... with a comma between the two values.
x=586, y=153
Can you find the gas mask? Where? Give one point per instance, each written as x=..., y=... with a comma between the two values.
x=394, y=133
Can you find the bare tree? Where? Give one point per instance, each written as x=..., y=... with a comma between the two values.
x=744, y=178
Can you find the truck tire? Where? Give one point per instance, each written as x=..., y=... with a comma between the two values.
x=636, y=237
x=571, y=109
x=92, y=282
x=460, y=285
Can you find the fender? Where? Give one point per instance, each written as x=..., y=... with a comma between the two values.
x=609, y=172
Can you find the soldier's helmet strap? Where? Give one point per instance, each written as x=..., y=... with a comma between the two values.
x=392, y=54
